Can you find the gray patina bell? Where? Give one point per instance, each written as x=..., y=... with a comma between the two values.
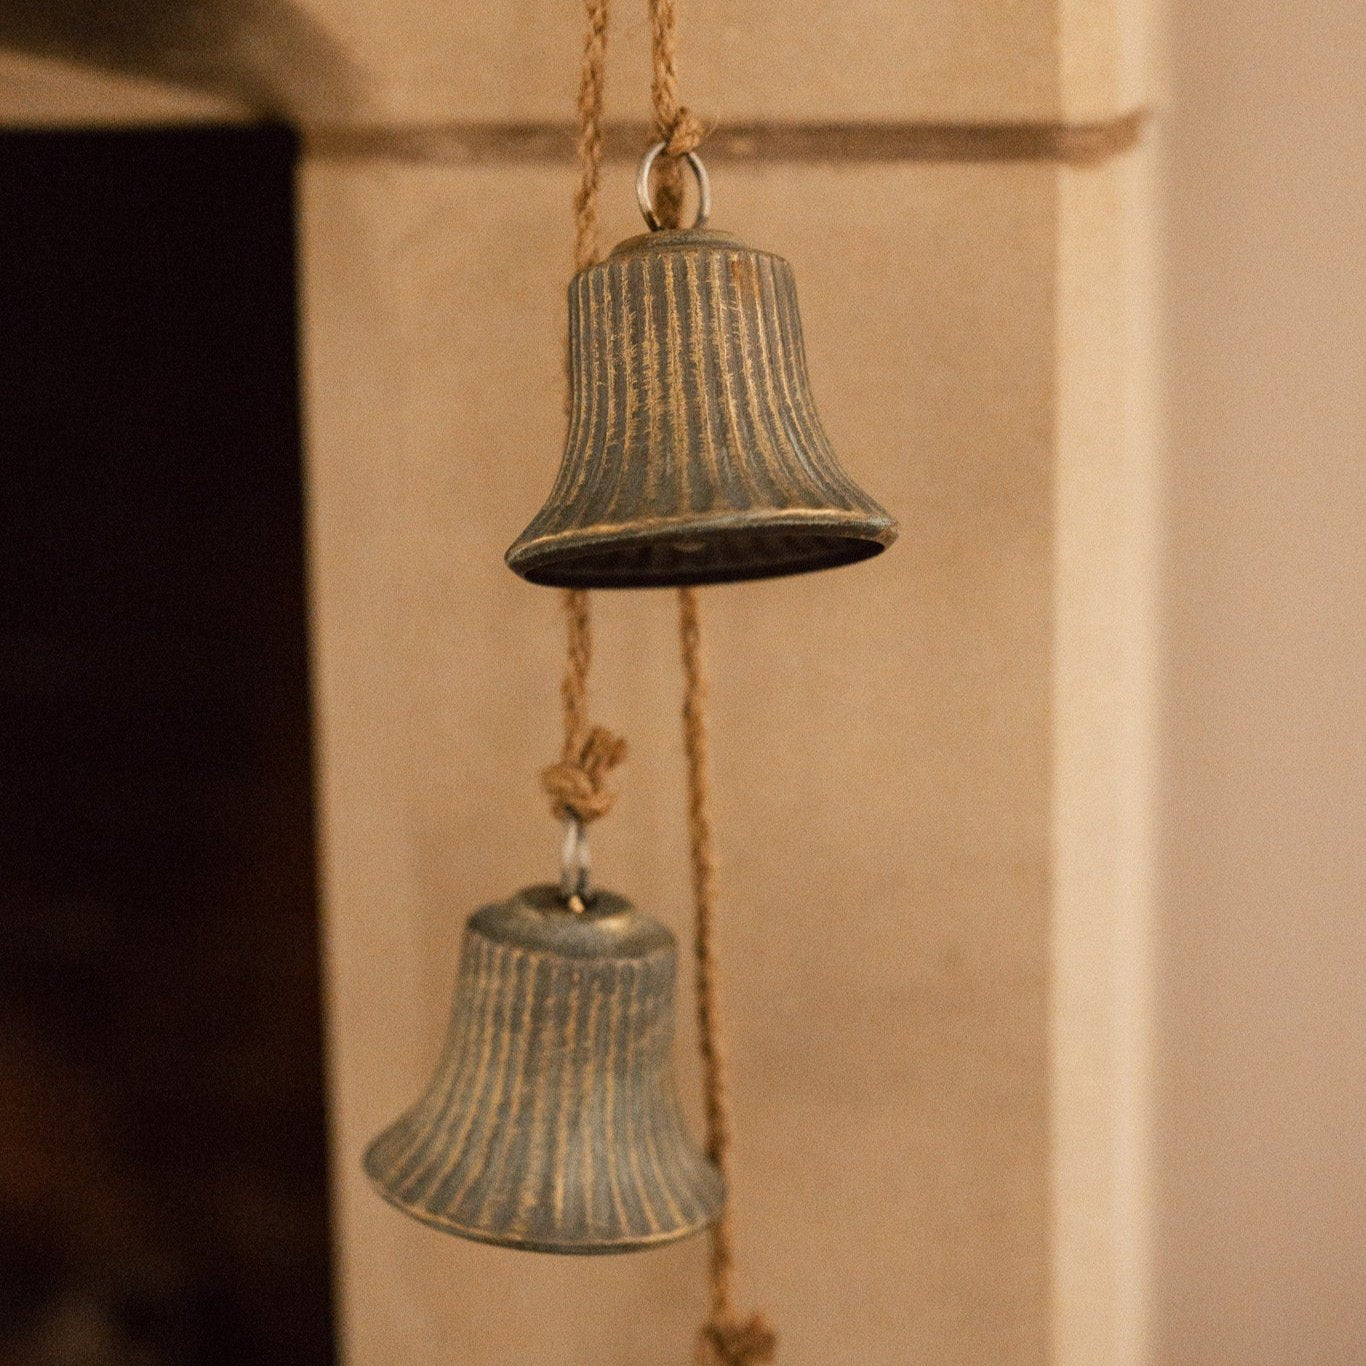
x=695, y=454
x=551, y=1122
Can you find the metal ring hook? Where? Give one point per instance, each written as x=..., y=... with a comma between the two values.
x=643, y=187
x=575, y=864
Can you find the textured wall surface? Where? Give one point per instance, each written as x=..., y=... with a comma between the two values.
x=415, y=62
x=922, y=762
x=1260, y=1204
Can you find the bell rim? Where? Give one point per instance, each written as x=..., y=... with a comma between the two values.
x=871, y=532
x=597, y=1248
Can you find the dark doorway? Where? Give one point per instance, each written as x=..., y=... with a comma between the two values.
x=162, y=1156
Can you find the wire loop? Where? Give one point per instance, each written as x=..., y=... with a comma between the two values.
x=575, y=865
x=646, y=203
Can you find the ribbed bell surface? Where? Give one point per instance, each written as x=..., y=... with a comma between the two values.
x=551, y=1122
x=694, y=452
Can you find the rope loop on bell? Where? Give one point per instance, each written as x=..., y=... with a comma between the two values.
x=680, y=134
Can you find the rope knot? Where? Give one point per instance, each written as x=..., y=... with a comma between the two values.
x=735, y=1342
x=684, y=135
x=577, y=785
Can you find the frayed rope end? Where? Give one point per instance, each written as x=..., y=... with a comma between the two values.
x=737, y=1342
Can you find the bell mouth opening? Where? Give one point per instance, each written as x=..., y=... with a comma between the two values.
x=688, y=557
x=566, y=1245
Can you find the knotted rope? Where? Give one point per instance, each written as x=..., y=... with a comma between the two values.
x=727, y=1338
x=577, y=783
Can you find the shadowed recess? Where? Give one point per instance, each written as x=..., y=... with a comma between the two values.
x=269, y=55
x=163, y=1196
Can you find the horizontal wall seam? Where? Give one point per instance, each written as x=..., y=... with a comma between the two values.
x=1073, y=144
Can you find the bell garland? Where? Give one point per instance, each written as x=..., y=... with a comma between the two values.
x=694, y=455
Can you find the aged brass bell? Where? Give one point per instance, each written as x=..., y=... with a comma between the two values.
x=694, y=453
x=551, y=1122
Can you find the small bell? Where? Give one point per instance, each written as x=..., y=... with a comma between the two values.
x=694, y=452
x=551, y=1122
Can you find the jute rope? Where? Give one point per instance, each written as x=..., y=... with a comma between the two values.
x=675, y=124
x=587, y=250
x=727, y=1338
x=577, y=783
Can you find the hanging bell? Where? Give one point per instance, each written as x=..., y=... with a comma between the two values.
x=694, y=452
x=551, y=1122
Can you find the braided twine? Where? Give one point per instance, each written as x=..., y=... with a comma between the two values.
x=727, y=1338
x=577, y=783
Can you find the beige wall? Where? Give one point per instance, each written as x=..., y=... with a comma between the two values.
x=1260, y=1231
x=923, y=764
x=882, y=754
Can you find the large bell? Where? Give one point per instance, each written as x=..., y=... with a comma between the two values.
x=551, y=1122
x=694, y=452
